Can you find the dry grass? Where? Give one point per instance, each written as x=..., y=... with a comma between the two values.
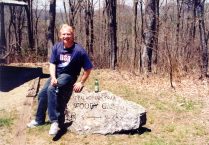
x=175, y=117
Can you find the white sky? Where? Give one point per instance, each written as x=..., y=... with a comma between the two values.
x=59, y=3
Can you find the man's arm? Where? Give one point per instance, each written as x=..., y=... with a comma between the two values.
x=52, y=71
x=79, y=85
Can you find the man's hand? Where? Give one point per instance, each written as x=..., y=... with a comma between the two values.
x=54, y=82
x=52, y=70
x=77, y=87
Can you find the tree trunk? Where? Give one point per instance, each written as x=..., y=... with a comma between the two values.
x=65, y=11
x=51, y=26
x=37, y=15
x=20, y=20
x=73, y=9
x=193, y=30
x=150, y=21
x=142, y=36
x=191, y=27
x=155, y=52
x=14, y=23
x=91, y=29
x=87, y=19
x=89, y=12
x=2, y=31
x=112, y=29
x=29, y=14
x=179, y=7
x=203, y=40
x=134, y=32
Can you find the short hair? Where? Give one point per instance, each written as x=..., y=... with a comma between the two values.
x=66, y=26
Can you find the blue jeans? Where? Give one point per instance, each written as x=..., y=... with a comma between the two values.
x=54, y=102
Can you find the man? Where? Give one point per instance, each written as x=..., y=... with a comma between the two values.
x=67, y=59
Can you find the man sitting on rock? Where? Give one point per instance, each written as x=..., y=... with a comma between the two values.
x=67, y=59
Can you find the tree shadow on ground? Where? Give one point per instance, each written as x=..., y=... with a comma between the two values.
x=12, y=76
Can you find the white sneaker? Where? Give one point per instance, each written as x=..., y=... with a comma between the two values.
x=54, y=128
x=32, y=124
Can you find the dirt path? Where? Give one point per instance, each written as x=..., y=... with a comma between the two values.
x=24, y=117
x=13, y=100
x=16, y=101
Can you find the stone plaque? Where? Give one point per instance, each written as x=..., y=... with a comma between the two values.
x=103, y=113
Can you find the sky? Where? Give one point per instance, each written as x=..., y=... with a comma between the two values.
x=59, y=3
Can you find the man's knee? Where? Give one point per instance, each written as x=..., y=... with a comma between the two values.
x=42, y=94
x=51, y=88
x=65, y=79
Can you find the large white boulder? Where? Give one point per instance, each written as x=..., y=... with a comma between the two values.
x=103, y=113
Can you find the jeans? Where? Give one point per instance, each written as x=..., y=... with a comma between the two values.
x=54, y=102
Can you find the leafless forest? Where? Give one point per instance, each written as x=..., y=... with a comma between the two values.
x=148, y=36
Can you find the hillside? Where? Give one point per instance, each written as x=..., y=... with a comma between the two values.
x=175, y=116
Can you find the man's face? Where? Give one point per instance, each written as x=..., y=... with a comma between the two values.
x=67, y=35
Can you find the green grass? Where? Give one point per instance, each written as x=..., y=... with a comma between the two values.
x=170, y=114
x=187, y=105
x=6, y=122
x=7, y=118
x=170, y=128
x=156, y=141
x=200, y=130
x=39, y=129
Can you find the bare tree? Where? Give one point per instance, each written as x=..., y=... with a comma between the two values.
x=51, y=26
x=141, y=35
x=65, y=10
x=199, y=6
x=112, y=30
x=89, y=26
x=134, y=32
x=150, y=20
x=2, y=31
x=17, y=22
x=156, y=33
x=29, y=12
x=179, y=11
x=37, y=15
x=91, y=46
x=74, y=6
